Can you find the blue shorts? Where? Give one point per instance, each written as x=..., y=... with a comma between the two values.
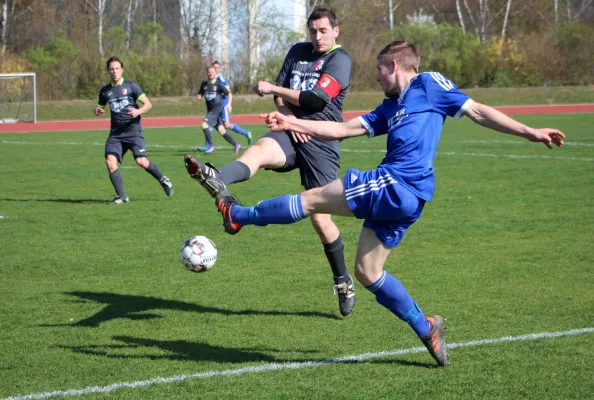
x=225, y=115
x=387, y=207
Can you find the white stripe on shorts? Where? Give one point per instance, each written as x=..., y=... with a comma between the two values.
x=370, y=186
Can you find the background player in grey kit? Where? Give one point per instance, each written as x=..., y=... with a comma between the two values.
x=213, y=92
x=126, y=131
x=311, y=84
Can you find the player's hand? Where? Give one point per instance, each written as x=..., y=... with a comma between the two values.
x=133, y=112
x=261, y=88
x=198, y=97
x=299, y=137
x=99, y=111
x=548, y=136
x=276, y=121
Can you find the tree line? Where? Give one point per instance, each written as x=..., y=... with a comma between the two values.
x=166, y=44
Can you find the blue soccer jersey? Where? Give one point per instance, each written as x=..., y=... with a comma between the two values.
x=413, y=122
x=220, y=78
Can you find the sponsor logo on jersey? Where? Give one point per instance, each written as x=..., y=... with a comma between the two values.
x=398, y=117
x=141, y=150
x=318, y=65
x=124, y=91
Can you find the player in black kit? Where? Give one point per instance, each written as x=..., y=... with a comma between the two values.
x=212, y=90
x=126, y=131
x=312, y=84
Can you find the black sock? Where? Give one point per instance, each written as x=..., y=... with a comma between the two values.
x=154, y=171
x=208, y=134
x=335, y=255
x=230, y=139
x=235, y=171
x=118, y=183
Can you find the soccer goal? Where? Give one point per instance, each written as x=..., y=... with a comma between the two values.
x=18, y=98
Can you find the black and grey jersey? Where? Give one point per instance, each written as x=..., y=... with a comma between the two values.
x=327, y=75
x=120, y=98
x=213, y=94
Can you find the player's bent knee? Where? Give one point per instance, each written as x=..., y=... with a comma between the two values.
x=204, y=126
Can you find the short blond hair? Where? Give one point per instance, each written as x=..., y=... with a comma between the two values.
x=406, y=55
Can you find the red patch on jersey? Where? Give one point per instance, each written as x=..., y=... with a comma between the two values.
x=329, y=85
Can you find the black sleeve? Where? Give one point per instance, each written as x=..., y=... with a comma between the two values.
x=224, y=89
x=311, y=102
x=335, y=76
x=201, y=91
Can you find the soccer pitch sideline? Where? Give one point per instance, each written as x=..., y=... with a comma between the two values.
x=95, y=303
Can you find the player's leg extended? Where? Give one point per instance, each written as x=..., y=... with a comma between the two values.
x=226, y=118
x=156, y=173
x=390, y=293
x=267, y=153
x=228, y=137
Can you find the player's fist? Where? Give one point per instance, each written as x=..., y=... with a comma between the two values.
x=99, y=111
x=261, y=88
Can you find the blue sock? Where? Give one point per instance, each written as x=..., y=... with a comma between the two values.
x=238, y=129
x=390, y=293
x=278, y=210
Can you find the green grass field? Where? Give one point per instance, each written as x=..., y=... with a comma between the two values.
x=93, y=296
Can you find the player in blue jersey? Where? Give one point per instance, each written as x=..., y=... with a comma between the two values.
x=391, y=197
x=126, y=131
x=227, y=108
x=312, y=84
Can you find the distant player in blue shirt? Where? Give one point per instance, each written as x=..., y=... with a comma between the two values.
x=391, y=197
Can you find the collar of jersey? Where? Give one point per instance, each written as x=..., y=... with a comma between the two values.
x=336, y=46
x=119, y=82
x=406, y=89
x=213, y=81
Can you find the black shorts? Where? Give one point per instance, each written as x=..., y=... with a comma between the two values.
x=118, y=146
x=214, y=117
x=318, y=161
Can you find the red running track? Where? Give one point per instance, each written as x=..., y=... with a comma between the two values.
x=170, y=122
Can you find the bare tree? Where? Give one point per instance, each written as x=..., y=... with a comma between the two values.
x=130, y=11
x=460, y=16
x=391, y=9
x=505, y=19
x=10, y=15
x=99, y=7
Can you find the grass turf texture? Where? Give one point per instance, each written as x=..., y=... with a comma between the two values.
x=242, y=104
x=93, y=295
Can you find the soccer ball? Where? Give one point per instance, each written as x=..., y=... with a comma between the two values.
x=199, y=254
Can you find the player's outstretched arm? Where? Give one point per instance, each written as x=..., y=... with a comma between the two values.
x=325, y=130
x=496, y=120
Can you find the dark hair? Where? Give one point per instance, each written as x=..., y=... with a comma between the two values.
x=406, y=55
x=319, y=13
x=112, y=59
x=215, y=62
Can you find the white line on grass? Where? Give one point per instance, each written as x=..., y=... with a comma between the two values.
x=296, y=365
x=439, y=153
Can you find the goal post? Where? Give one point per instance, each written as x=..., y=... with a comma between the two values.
x=18, y=97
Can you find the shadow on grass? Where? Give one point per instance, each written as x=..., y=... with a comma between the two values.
x=122, y=306
x=182, y=350
x=73, y=201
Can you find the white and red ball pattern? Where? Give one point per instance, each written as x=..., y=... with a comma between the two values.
x=199, y=254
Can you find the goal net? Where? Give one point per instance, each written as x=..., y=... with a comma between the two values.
x=18, y=98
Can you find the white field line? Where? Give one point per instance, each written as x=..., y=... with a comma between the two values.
x=288, y=366
x=439, y=153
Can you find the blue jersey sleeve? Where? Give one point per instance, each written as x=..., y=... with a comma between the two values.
x=445, y=95
x=222, y=79
x=375, y=122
